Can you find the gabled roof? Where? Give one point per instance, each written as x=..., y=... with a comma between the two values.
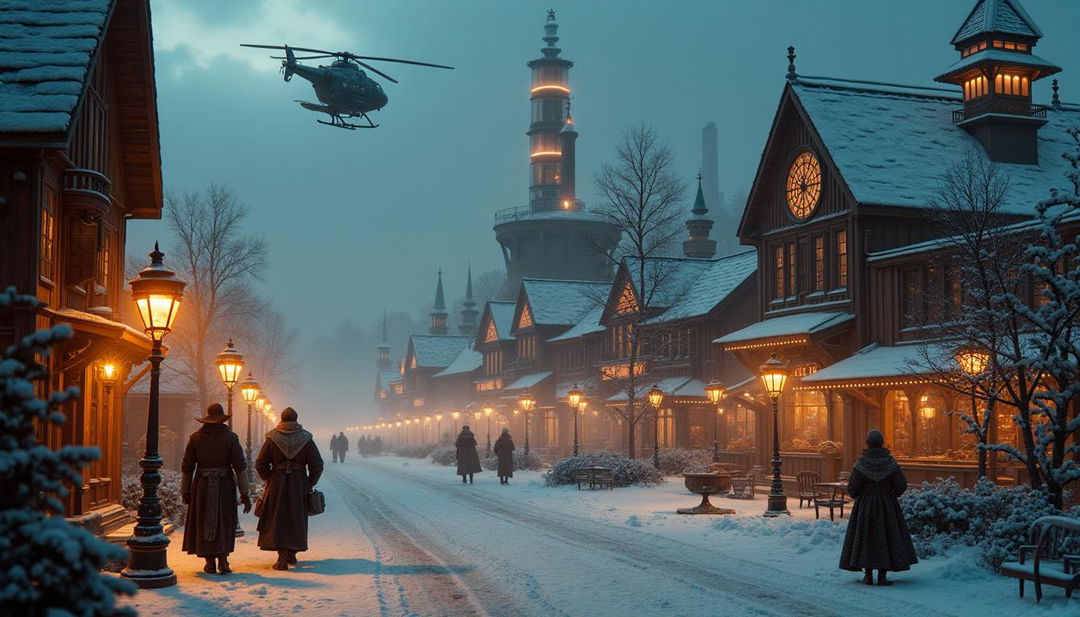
x=501, y=314
x=560, y=303
x=385, y=377
x=791, y=328
x=891, y=143
x=712, y=286
x=466, y=362
x=588, y=324
x=435, y=351
x=996, y=16
x=47, y=48
x=996, y=56
x=876, y=363
x=667, y=280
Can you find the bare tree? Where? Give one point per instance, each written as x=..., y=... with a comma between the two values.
x=219, y=261
x=641, y=197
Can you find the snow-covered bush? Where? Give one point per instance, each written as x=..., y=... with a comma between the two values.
x=172, y=503
x=412, y=450
x=995, y=520
x=678, y=461
x=47, y=565
x=532, y=462
x=627, y=471
x=444, y=455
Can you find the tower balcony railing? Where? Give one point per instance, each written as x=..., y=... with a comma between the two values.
x=998, y=106
x=88, y=188
x=521, y=212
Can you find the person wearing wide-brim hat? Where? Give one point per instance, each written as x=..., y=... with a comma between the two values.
x=212, y=471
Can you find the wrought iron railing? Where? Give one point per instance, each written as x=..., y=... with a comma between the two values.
x=998, y=106
x=521, y=212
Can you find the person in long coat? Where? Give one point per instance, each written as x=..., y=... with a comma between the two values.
x=877, y=537
x=290, y=464
x=504, y=449
x=334, y=448
x=468, y=461
x=211, y=472
x=343, y=446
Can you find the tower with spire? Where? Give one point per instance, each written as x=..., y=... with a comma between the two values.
x=554, y=236
x=469, y=313
x=996, y=70
x=699, y=246
x=382, y=350
x=438, y=311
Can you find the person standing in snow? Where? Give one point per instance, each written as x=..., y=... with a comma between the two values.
x=877, y=536
x=343, y=446
x=468, y=461
x=504, y=449
x=212, y=470
x=290, y=464
x=334, y=447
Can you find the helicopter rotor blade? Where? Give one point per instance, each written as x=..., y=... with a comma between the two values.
x=379, y=59
x=307, y=49
x=374, y=70
x=304, y=57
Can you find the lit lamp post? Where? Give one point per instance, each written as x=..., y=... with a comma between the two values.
x=438, y=427
x=249, y=391
x=656, y=398
x=575, y=397
x=526, y=402
x=716, y=393
x=774, y=376
x=456, y=415
x=230, y=364
x=974, y=363
x=488, y=410
x=157, y=293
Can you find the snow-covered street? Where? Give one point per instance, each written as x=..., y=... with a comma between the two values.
x=404, y=537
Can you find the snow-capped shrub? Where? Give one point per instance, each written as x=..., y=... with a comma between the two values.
x=627, y=471
x=995, y=520
x=678, y=461
x=532, y=462
x=47, y=565
x=444, y=455
x=172, y=503
x=413, y=450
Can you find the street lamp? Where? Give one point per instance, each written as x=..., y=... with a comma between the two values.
x=438, y=427
x=974, y=362
x=716, y=393
x=488, y=409
x=230, y=364
x=157, y=293
x=774, y=376
x=249, y=391
x=526, y=402
x=456, y=415
x=575, y=398
x=655, y=397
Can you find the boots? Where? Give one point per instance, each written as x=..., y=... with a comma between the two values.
x=868, y=578
x=292, y=558
x=881, y=580
x=210, y=566
x=470, y=478
x=463, y=480
x=282, y=562
x=223, y=565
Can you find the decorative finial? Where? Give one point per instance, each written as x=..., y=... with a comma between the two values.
x=157, y=255
x=791, y=74
x=699, y=176
x=551, y=15
x=1055, y=100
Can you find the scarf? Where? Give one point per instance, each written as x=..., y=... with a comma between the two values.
x=876, y=464
x=290, y=437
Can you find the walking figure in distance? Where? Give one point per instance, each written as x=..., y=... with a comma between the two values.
x=212, y=470
x=504, y=449
x=877, y=537
x=334, y=448
x=290, y=464
x=342, y=446
x=468, y=461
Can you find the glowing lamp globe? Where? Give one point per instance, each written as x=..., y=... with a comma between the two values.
x=230, y=364
x=438, y=417
x=109, y=373
x=715, y=392
x=774, y=376
x=574, y=396
x=455, y=414
x=249, y=390
x=655, y=396
x=157, y=293
x=526, y=401
x=972, y=361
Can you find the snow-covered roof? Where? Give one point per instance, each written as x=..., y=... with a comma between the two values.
x=1000, y=55
x=712, y=286
x=502, y=313
x=1001, y=16
x=588, y=324
x=562, y=303
x=803, y=324
x=435, y=351
x=668, y=279
x=46, y=50
x=466, y=362
x=528, y=381
x=670, y=386
x=876, y=362
x=891, y=143
x=386, y=377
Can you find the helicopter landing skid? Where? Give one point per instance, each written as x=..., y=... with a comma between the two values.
x=340, y=123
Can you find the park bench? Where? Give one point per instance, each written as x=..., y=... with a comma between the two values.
x=595, y=477
x=1052, y=558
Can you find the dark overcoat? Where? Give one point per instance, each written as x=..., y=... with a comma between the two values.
x=504, y=449
x=212, y=468
x=877, y=536
x=333, y=443
x=468, y=461
x=343, y=443
x=290, y=464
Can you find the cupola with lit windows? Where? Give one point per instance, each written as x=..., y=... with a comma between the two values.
x=996, y=70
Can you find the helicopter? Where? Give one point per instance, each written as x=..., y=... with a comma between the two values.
x=344, y=90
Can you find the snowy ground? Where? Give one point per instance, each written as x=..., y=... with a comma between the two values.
x=404, y=537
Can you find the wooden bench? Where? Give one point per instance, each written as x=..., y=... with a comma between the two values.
x=595, y=477
x=1052, y=558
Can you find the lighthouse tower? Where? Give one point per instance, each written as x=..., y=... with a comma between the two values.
x=553, y=237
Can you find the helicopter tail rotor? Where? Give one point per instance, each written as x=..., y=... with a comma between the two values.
x=288, y=64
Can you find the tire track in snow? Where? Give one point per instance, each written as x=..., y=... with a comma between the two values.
x=643, y=550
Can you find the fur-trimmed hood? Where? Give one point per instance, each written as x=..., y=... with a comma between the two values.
x=290, y=437
x=877, y=464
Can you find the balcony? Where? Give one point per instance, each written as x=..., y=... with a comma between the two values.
x=998, y=106
x=87, y=188
x=518, y=213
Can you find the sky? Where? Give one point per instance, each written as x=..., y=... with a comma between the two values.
x=359, y=222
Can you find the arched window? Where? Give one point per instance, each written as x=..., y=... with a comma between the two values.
x=933, y=434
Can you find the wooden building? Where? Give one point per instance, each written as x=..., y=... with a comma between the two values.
x=79, y=156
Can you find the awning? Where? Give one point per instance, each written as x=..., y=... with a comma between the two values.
x=562, y=389
x=670, y=386
x=787, y=330
x=528, y=381
x=103, y=330
x=875, y=365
